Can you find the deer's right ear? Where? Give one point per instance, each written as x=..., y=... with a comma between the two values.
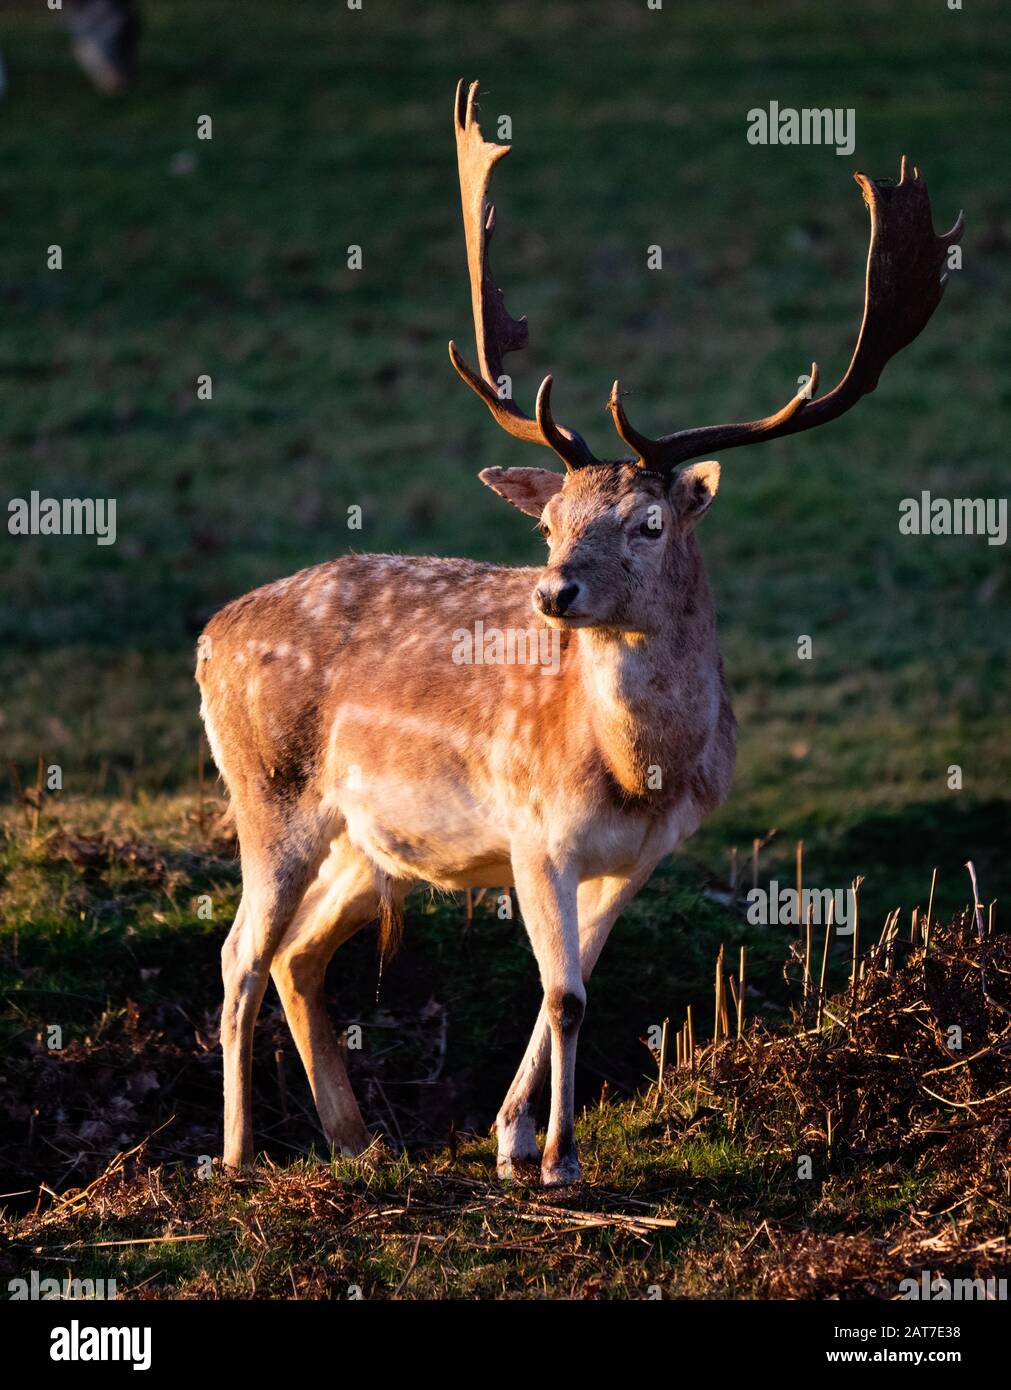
x=529, y=489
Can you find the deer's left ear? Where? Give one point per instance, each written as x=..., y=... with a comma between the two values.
x=693, y=490
x=530, y=489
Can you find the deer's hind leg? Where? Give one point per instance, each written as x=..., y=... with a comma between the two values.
x=276, y=868
x=343, y=898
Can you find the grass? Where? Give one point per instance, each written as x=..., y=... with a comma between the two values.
x=109, y=936
x=793, y=1163
x=332, y=388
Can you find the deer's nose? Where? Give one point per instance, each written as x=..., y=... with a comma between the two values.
x=556, y=596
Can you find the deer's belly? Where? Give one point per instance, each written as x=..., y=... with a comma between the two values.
x=441, y=833
x=433, y=832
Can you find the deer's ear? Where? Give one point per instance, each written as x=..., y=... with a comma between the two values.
x=693, y=490
x=530, y=489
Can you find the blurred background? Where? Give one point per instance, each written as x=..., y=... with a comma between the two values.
x=228, y=256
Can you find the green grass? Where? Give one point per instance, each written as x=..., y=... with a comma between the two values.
x=333, y=388
x=109, y=938
x=697, y=1194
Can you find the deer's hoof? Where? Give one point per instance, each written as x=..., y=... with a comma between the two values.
x=561, y=1172
x=517, y=1145
x=510, y=1166
x=355, y=1142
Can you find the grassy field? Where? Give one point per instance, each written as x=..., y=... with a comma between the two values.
x=332, y=387
x=815, y=1159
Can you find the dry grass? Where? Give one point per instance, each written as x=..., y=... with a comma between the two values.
x=694, y=1189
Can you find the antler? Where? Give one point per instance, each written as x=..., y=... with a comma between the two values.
x=497, y=332
x=905, y=282
x=904, y=286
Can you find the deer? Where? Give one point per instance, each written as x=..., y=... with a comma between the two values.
x=363, y=761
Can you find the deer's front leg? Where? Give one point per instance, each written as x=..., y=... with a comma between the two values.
x=599, y=902
x=547, y=897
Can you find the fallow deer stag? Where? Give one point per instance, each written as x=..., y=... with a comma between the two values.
x=364, y=758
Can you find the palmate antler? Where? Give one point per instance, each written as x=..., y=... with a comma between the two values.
x=496, y=331
x=905, y=282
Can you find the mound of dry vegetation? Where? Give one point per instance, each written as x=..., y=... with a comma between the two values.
x=900, y=1086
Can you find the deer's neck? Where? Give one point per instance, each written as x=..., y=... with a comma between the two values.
x=654, y=698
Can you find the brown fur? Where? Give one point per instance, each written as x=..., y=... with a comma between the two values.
x=363, y=758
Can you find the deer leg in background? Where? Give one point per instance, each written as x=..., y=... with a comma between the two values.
x=600, y=902
x=342, y=899
x=104, y=34
x=271, y=891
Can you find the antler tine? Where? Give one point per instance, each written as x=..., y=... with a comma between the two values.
x=570, y=447
x=640, y=444
x=904, y=285
x=653, y=454
x=496, y=331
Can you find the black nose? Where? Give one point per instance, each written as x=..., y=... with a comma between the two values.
x=565, y=596
x=555, y=602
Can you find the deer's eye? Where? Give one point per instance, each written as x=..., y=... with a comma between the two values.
x=545, y=530
x=646, y=529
